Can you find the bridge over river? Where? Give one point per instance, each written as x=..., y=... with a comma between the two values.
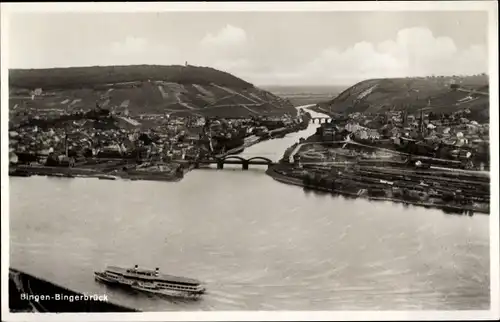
x=235, y=159
x=320, y=120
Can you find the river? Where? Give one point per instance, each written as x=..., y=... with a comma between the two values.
x=257, y=243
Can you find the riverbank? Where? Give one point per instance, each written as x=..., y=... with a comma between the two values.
x=112, y=169
x=270, y=135
x=70, y=172
x=281, y=174
x=376, y=176
x=28, y=293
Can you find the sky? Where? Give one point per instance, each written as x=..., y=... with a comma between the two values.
x=264, y=48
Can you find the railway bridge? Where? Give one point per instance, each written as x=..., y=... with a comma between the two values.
x=321, y=120
x=235, y=159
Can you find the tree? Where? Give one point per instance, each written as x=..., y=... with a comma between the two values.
x=145, y=139
x=87, y=153
x=52, y=160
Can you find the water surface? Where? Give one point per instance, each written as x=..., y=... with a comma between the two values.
x=257, y=243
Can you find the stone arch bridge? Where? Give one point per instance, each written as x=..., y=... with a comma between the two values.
x=321, y=120
x=235, y=159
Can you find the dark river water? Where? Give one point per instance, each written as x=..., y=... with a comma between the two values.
x=257, y=243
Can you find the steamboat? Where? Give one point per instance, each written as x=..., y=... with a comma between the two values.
x=151, y=281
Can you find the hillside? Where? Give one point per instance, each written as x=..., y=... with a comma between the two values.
x=143, y=89
x=435, y=93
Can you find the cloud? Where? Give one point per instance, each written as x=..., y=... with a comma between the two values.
x=226, y=49
x=413, y=52
x=229, y=36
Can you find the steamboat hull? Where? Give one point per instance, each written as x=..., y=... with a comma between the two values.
x=130, y=285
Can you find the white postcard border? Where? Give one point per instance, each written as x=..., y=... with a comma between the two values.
x=490, y=6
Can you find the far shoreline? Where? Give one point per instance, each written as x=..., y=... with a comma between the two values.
x=296, y=182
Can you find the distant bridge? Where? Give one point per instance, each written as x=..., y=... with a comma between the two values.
x=235, y=159
x=321, y=120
